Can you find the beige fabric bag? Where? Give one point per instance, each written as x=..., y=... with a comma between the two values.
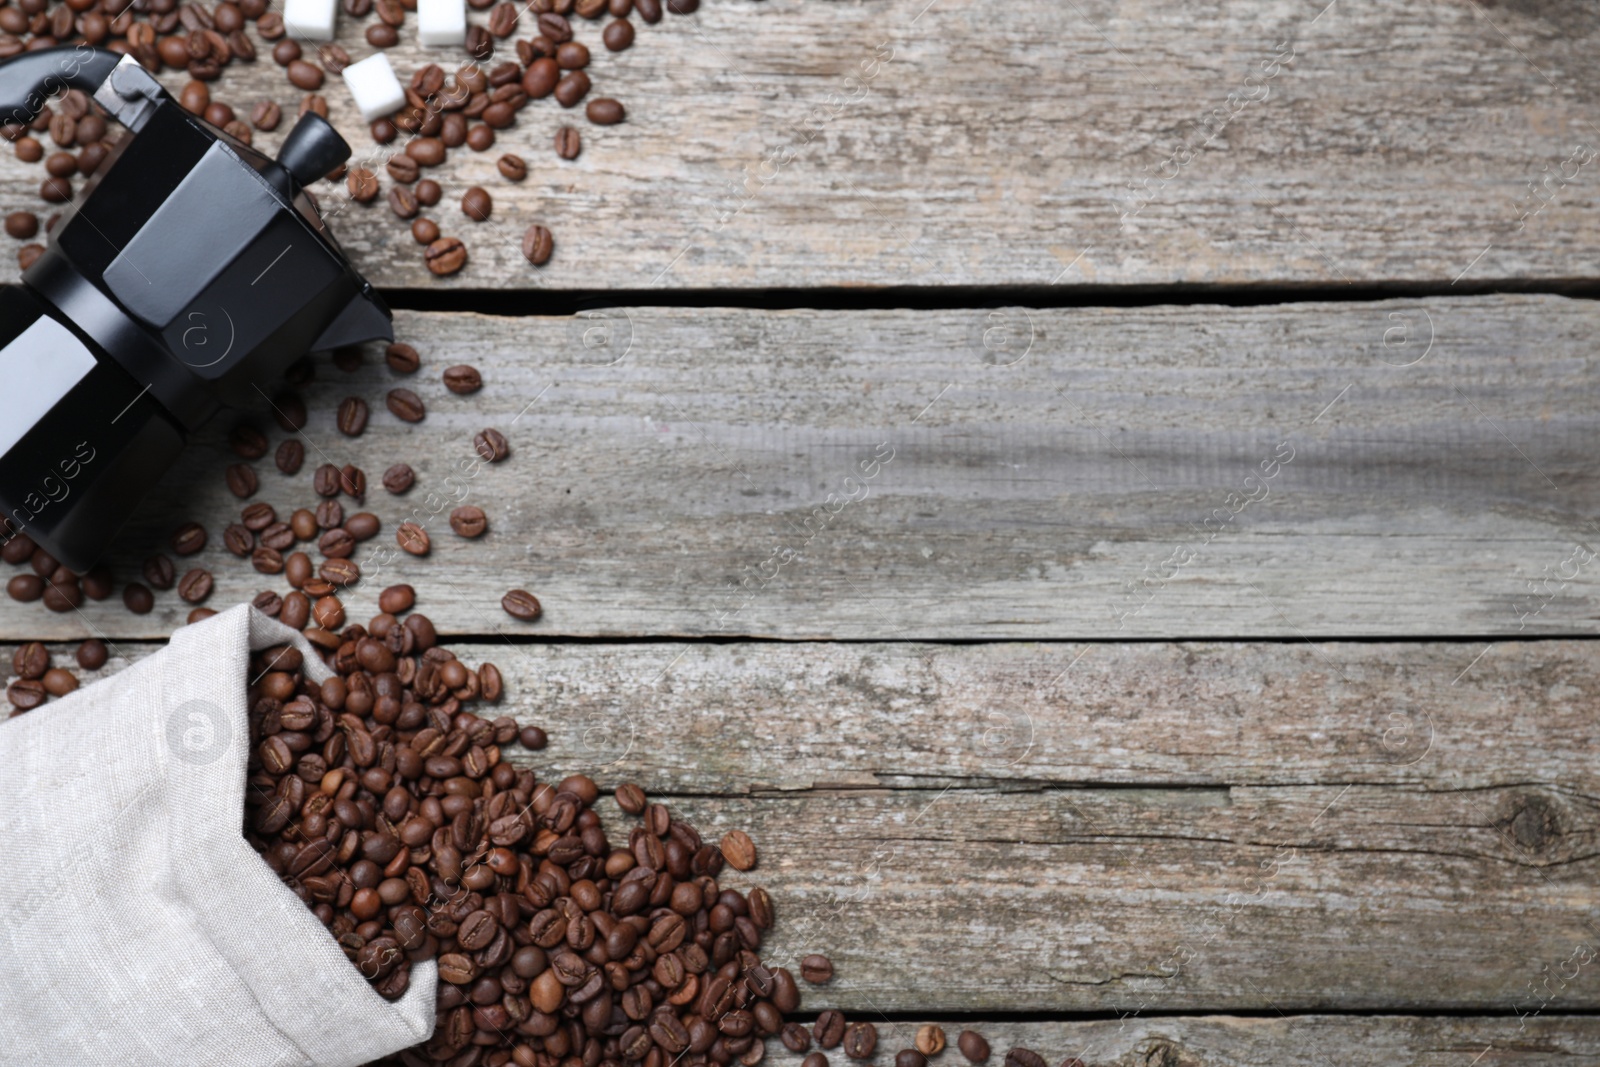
x=136, y=924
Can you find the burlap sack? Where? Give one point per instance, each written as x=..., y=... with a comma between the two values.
x=136, y=925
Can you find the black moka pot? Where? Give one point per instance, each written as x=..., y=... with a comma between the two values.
x=187, y=276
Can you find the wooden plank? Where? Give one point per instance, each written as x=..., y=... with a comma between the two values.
x=1140, y=1040
x=1161, y=828
x=1138, y=472
x=899, y=142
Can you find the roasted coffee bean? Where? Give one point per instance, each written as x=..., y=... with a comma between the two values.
x=572, y=55
x=396, y=599
x=241, y=478
x=362, y=185
x=815, y=1059
x=399, y=478
x=58, y=682
x=618, y=35
x=402, y=202
x=402, y=167
x=31, y=660
x=649, y=10
x=859, y=1040
x=188, y=539
x=382, y=35
x=238, y=539
x=402, y=358
x=910, y=1057
x=512, y=168
x=352, y=416
x=424, y=231
x=195, y=586
x=569, y=143
x=930, y=1039
x=814, y=968
x=521, y=604
x=491, y=445
x=683, y=7
x=91, y=654
x=476, y=204
x=446, y=256
x=291, y=454
x=829, y=1027
x=1024, y=1057
x=973, y=1046
x=480, y=44
x=413, y=539
x=303, y=75
x=266, y=115
x=469, y=521
x=572, y=87
x=480, y=138
x=738, y=850
x=795, y=1037
x=541, y=78
x=26, y=695
x=159, y=571
x=503, y=20
x=537, y=244
x=533, y=738
x=462, y=379
x=22, y=225
x=405, y=405
x=362, y=526
x=326, y=480
x=604, y=111
x=27, y=588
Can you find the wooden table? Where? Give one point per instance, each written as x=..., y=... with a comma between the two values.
x=1103, y=492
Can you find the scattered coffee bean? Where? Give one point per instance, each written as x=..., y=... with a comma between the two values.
x=618, y=35
x=59, y=682
x=188, y=539
x=406, y=405
x=159, y=572
x=512, y=169
x=469, y=521
x=815, y=1059
x=22, y=225
x=973, y=1046
x=605, y=111
x=352, y=416
x=195, y=586
x=462, y=379
x=859, y=1040
x=291, y=454
x=399, y=478
x=738, y=850
x=402, y=358
x=1024, y=1057
x=30, y=660
x=930, y=1039
x=476, y=204
x=533, y=738
x=568, y=142
x=241, y=478
x=91, y=654
x=424, y=231
x=447, y=255
x=537, y=244
x=521, y=604
x=413, y=539
x=491, y=445
x=814, y=968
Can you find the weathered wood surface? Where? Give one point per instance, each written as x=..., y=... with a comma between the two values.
x=1152, y=827
x=1141, y=1040
x=907, y=142
x=1154, y=472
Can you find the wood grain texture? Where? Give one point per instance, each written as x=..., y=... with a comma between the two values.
x=1191, y=827
x=1158, y=472
x=901, y=142
x=1140, y=1040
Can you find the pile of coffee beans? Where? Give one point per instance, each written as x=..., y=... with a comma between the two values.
x=444, y=109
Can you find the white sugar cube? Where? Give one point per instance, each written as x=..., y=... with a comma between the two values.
x=309, y=20
x=376, y=90
x=442, y=22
